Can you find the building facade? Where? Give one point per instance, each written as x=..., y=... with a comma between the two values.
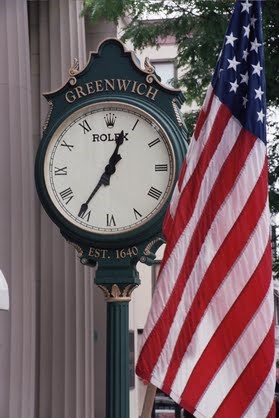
x=47, y=337
x=53, y=338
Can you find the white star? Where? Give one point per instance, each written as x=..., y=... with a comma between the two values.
x=233, y=63
x=260, y=116
x=245, y=54
x=257, y=69
x=244, y=78
x=259, y=93
x=230, y=39
x=245, y=100
x=246, y=30
x=246, y=6
x=255, y=45
x=234, y=86
x=253, y=21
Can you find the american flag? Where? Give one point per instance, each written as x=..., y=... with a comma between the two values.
x=209, y=337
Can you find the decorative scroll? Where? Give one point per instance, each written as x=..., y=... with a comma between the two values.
x=73, y=71
x=150, y=69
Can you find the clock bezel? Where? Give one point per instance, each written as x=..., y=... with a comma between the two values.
x=85, y=112
x=133, y=235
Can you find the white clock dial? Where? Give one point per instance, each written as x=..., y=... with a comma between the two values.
x=79, y=152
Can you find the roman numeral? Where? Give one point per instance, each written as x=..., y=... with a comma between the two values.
x=60, y=171
x=137, y=214
x=135, y=124
x=161, y=167
x=154, y=142
x=110, y=220
x=86, y=215
x=67, y=195
x=64, y=144
x=155, y=193
x=85, y=126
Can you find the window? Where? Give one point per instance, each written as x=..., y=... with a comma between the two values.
x=166, y=70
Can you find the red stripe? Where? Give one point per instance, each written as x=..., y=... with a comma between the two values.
x=272, y=411
x=227, y=175
x=250, y=381
x=168, y=221
x=232, y=326
x=217, y=271
x=181, y=174
x=189, y=195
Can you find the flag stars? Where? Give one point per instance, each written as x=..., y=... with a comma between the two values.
x=244, y=101
x=257, y=69
x=259, y=93
x=253, y=21
x=246, y=6
x=255, y=45
x=233, y=63
x=246, y=30
x=230, y=39
x=245, y=54
x=234, y=86
x=244, y=78
x=261, y=116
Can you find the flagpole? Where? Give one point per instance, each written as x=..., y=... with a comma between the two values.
x=148, y=401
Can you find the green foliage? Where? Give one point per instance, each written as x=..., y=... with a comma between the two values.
x=273, y=161
x=108, y=9
x=199, y=27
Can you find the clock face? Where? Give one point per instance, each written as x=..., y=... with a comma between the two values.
x=109, y=168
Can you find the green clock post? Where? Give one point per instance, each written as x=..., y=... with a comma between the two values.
x=105, y=169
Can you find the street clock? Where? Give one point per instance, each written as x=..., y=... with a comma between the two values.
x=111, y=151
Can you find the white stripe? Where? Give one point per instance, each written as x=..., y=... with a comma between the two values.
x=173, y=265
x=207, y=97
x=194, y=151
x=223, y=300
x=238, y=358
x=221, y=225
x=262, y=403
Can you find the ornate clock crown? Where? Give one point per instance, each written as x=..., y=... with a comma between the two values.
x=110, y=119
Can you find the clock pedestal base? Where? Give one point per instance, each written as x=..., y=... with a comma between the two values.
x=117, y=367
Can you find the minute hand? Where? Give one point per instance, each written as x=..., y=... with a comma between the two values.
x=105, y=177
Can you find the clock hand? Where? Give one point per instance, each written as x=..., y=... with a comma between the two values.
x=105, y=177
x=119, y=141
